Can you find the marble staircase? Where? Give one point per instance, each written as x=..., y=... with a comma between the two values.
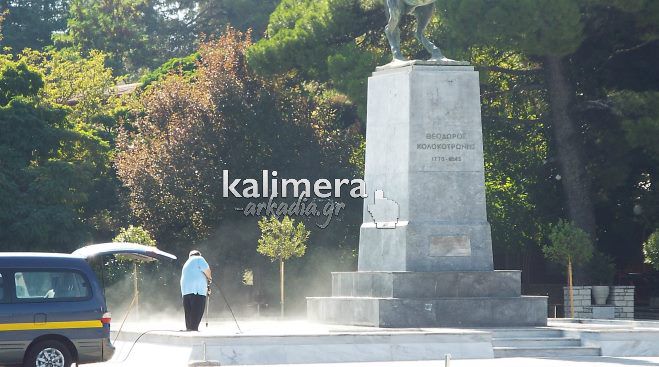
x=538, y=342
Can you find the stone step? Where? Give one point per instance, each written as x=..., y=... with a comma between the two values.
x=536, y=342
x=509, y=352
x=538, y=332
x=443, y=312
x=446, y=284
x=283, y=343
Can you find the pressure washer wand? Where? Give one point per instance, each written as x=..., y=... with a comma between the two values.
x=229, y=306
x=208, y=304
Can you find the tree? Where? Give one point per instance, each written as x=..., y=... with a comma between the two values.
x=141, y=236
x=568, y=245
x=83, y=84
x=44, y=186
x=141, y=34
x=135, y=234
x=212, y=17
x=84, y=88
x=549, y=30
x=281, y=240
x=552, y=33
x=119, y=28
x=651, y=250
x=30, y=24
x=188, y=130
x=326, y=40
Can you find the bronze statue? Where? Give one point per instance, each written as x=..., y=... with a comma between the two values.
x=422, y=9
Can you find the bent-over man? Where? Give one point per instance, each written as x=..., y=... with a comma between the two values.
x=195, y=278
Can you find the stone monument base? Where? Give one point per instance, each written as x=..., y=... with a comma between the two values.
x=425, y=247
x=428, y=299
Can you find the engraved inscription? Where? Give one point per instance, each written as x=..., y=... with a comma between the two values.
x=446, y=147
x=449, y=246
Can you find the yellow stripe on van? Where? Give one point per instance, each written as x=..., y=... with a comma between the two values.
x=87, y=324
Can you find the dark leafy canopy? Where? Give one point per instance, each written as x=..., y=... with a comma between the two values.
x=326, y=40
x=211, y=17
x=30, y=23
x=544, y=27
x=190, y=130
x=43, y=187
x=186, y=66
x=599, y=41
x=119, y=27
x=17, y=80
x=539, y=27
x=142, y=34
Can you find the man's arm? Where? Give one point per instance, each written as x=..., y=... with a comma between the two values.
x=207, y=273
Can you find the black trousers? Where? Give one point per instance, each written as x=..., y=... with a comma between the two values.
x=193, y=306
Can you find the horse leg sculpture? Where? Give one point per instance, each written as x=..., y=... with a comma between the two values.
x=423, y=15
x=395, y=13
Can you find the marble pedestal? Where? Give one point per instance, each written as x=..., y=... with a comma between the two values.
x=425, y=249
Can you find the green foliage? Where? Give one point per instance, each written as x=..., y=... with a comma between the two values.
x=3, y=14
x=84, y=84
x=211, y=17
x=185, y=66
x=118, y=27
x=651, y=250
x=541, y=27
x=281, y=240
x=135, y=234
x=347, y=68
x=602, y=269
x=303, y=34
x=358, y=157
x=29, y=24
x=138, y=35
x=84, y=88
x=568, y=243
x=189, y=130
x=44, y=188
x=16, y=79
x=640, y=119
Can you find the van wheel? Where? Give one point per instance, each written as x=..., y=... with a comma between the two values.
x=49, y=353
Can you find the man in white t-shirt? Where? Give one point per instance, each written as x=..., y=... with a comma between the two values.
x=195, y=278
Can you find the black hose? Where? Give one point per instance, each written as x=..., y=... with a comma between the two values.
x=140, y=337
x=153, y=331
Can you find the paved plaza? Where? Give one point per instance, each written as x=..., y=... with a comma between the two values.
x=300, y=343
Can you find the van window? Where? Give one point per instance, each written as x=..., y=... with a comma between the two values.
x=3, y=294
x=50, y=285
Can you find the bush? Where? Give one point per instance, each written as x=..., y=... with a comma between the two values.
x=651, y=250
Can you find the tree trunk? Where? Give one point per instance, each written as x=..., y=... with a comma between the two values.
x=569, y=286
x=136, y=291
x=575, y=181
x=281, y=286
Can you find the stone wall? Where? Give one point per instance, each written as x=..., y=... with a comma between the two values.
x=582, y=302
x=620, y=297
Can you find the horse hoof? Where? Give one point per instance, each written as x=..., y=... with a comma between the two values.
x=446, y=61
